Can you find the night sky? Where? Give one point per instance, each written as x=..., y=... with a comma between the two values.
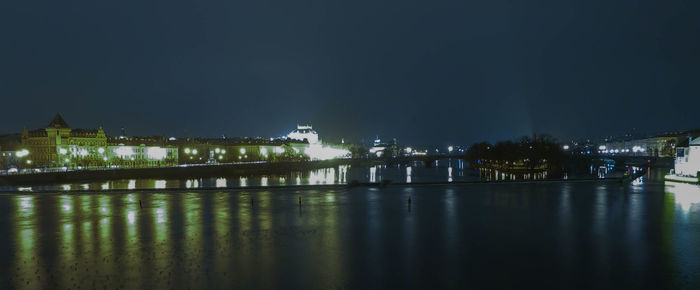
x=432, y=72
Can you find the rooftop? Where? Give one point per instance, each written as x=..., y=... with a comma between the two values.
x=58, y=122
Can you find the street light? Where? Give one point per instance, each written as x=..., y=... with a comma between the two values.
x=450, y=148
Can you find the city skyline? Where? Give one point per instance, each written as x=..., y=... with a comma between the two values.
x=631, y=134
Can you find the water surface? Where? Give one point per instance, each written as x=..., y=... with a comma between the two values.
x=508, y=235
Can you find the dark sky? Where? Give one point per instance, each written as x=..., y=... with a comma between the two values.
x=425, y=72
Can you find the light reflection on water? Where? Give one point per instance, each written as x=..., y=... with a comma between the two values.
x=447, y=170
x=580, y=232
x=686, y=196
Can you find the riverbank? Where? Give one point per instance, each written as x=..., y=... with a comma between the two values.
x=333, y=173
x=175, y=172
x=351, y=184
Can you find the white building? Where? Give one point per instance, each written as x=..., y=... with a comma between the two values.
x=304, y=132
x=687, y=161
x=141, y=155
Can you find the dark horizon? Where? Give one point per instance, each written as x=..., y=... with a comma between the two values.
x=444, y=73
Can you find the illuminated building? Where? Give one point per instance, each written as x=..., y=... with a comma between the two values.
x=687, y=161
x=54, y=145
x=380, y=149
x=58, y=145
x=141, y=155
x=231, y=150
x=304, y=132
x=657, y=146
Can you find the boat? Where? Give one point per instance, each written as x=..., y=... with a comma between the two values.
x=682, y=179
x=687, y=162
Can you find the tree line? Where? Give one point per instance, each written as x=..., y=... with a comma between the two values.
x=537, y=152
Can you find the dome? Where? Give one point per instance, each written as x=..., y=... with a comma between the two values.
x=304, y=132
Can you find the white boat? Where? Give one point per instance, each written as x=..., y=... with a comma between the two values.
x=683, y=179
x=687, y=162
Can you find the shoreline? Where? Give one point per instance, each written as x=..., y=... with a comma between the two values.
x=320, y=186
x=174, y=172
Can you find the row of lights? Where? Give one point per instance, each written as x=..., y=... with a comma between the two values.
x=84, y=152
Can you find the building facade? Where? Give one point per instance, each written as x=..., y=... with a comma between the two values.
x=687, y=162
x=59, y=145
x=304, y=133
x=657, y=146
x=140, y=156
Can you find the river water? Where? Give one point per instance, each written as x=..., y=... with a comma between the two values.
x=505, y=235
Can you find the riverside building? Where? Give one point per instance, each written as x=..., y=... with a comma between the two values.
x=58, y=145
